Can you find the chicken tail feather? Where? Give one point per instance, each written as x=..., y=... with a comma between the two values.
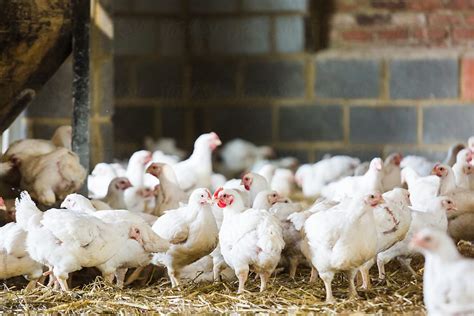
x=28, y=215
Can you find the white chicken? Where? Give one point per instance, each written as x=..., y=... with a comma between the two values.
x=423, y=166
x=464, y=198
x=239, y=155
x=115, y=194
x=159, y=156
x=463, y=170
x=76, y=201
x=392, y=173
x=249, y=239
x=267, y=171
x=136, y=167
x=282, y=181
x=22, y=150
x=217, y=180
x=421, y=188
x=357, y=185
x=196, y=171
x=433, y=215
x=167, y=146
x=248, y=188
x=51, y=177
x=299, y=218
x=14, y=259
x=132, y=254
x=191, y=231
x=100, y=178
x=393, y=219
x=447, y=278
x=343, y=240
x=170, y=194
x=291, y=236
x=140, y=199
x=312, y=178
x=254, y=184
x=66, y=240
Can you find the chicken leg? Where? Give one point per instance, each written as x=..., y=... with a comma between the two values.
x=173, y=275
x=314, y=273
x=120, y=277
x=134, y=276
x=352, y=288
x=293, y=266
x=381, y=268
x=264, y=277
x=63, y=283
x=31, y=285
x=327, y=279
x=406, y=264
x=242, y=275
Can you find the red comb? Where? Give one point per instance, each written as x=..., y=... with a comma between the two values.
x=217, y=192
x=2, y=202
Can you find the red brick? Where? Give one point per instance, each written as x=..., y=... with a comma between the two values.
x=357, y=35
x=461, y=34
x=373, y=19
x=460, y=4
x=437, y=34
x=393, y=34
x=437, y=19
x=425, y=5
x=350, y=5
x=467, y=78
x=389, y=4
x=469, y=19
x=433, y=35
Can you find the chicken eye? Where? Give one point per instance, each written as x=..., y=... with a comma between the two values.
x=246, y=179
x=202, y=195
x=225, y=195
x=274, y=195
x=372, y=196
x=449, y=202
x=427, y=239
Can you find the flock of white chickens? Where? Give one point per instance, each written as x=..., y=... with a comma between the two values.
x=159, y=209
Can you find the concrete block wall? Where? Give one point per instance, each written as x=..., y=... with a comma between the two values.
x=242, y=68
x=190, y=66
x=413, y=101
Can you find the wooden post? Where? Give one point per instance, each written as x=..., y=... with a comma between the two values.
x=80, y=86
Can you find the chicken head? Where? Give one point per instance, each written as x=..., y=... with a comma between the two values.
x=374, y=199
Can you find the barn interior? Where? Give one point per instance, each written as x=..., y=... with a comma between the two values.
x=308, y=78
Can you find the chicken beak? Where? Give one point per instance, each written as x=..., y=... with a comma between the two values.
x=280, y=199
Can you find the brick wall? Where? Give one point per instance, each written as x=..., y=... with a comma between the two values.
x=417, y=23
x=244, y=68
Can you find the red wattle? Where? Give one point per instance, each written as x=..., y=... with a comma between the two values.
x=221, y=204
